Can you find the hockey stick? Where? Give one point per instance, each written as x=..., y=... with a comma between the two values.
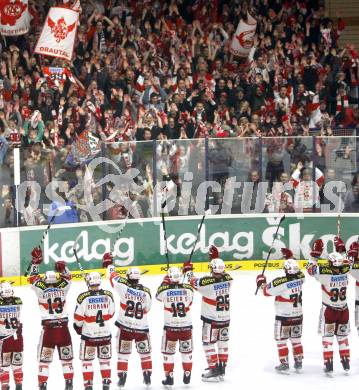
x=163, y=205
x=74, y=248
x=42, y=240
x=120, y=232
x=270, y=250
x=206, y=212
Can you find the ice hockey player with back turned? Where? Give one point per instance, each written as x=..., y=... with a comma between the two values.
x=51, y=292
x=215, y=313
x=11, y=341
x=334, y=314
x=287, y=291
x=93, y=313
x=132, y=322
x=177, y=298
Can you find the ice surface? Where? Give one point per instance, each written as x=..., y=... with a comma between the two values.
x=253, y=353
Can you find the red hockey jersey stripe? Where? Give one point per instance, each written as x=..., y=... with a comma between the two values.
x=91, y=319
x=209, y=301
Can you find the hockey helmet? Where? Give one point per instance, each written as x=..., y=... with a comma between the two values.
x=336, y=259
x=50, y=277
x=291, y=266
x=217, y=266
x=174, y=274
x=93, y=279
x=133, y=273
x=6, y=290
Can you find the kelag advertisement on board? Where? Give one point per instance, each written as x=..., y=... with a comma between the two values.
x=142, y=243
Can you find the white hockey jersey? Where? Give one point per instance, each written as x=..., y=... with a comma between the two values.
x=135, y=303
x=177, y=301
x=215, y=297
x=52, y=300
x=93, y=313
x=288, y=295
x=10, y=311
x=334, y=286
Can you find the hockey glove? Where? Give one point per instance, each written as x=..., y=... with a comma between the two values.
x=317, y=248
x=61, y=267
x=339, y=244
x=36, y=256
x=107, y=259
x=353, y=252
x=261, y=280
x=187, y=266
x=78, y=329
x=213, y=252
x=287, y=253
x=166, y=280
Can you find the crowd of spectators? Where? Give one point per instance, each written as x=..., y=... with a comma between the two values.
x=163, y=70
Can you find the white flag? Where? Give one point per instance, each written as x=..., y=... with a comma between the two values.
x=58, y=33
x=242, y=41
x=14, y=17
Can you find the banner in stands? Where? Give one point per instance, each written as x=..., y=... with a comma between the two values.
x=58, y=33
x=243, y=239
x=243, y=39
x=14, y=17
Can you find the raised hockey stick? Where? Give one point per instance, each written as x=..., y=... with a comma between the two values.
x=270, y=250
x=206, y=212
x=120, y=232
x=42, y=240
x=163, y=205
x=338, y=225
x=74, y=248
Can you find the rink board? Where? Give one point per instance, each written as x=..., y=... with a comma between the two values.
x=202, y=267
x=241, y=239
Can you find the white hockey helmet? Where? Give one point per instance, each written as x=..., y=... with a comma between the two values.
x=50, y=277
x=93, y=279
x=133, y=273
x=174, y=274
x=217, y=266
x=336, y=259
x=291, y=266
x=6, y=290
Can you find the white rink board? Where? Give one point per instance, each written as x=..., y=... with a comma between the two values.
x=252, y=348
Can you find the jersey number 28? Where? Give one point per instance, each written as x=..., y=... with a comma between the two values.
x=134, y=310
